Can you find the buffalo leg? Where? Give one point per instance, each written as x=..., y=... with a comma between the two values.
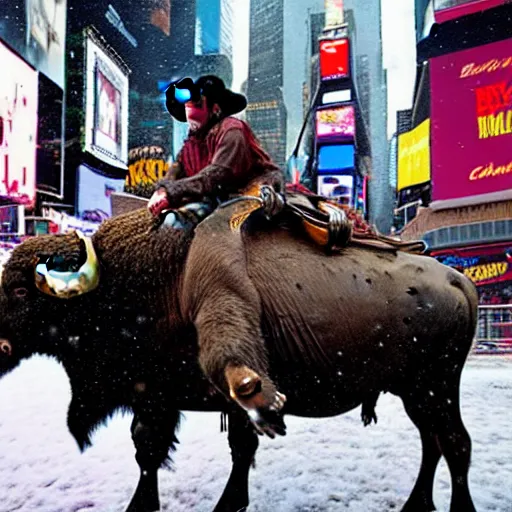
x=421, y=499
x=225, y=307
x=456, y=447
x=153, y=433
x=243, y=442
x=368, y=408
x=437, y=415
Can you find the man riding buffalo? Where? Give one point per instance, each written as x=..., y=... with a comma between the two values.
x=220, y=158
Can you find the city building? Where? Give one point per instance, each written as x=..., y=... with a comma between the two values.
x=214, y=27
x=266, y=111
x=459, y=146
x=372, y=91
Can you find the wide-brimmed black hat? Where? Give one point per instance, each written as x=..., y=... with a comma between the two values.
x=211, y=86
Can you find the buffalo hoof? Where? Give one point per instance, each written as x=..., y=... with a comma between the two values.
x=421, y=505
x=259, y=397
x=368, y=417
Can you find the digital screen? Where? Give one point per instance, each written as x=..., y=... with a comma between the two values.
x=471, y=125
x=337, y=96
x=106, y=120
x=49, y=138
x=333, y=158
x=445, y=10
x=414, y=156
x=338, y=122
x=337, y=187
x=334, y=59
x=37, y=30
x=18, y=128
x=94, y=191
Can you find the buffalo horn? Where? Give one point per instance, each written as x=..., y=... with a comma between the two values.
x=66, y=285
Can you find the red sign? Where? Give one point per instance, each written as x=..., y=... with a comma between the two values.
x=446, y=10
x=471, y=134
x=334, y=59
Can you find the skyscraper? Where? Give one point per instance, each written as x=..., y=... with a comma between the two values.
x=214, y=27
x=295, y=47
x=367, y=41
x=266, y=111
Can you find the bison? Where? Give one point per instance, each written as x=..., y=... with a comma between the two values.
x=173, y=309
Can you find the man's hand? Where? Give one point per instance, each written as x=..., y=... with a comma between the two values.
x=158, y=202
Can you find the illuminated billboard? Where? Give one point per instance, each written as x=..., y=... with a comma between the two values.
x=338, y=187
x=340, y=96
x=333, y=13
x=335, y=158
x=146, y=166
x=471, y=133
x=336, y=123
x=106, y=112
x=414, y=156
x=94, y=191
x=446, y=10
x=37, y=30
x=18, y=128
x=488, y=266
x=50, y=161
x=334, y=59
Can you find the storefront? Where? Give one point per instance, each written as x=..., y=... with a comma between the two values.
x=489, y=266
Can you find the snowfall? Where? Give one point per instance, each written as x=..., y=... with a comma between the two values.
x=329, y=464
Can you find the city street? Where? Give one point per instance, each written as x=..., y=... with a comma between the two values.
x=321, y=465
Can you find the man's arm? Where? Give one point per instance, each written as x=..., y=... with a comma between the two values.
x=229, y=170
x=175, y=172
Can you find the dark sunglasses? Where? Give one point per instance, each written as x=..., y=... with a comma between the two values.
x=186, y=90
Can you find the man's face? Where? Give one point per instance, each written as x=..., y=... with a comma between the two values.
x=197, y=113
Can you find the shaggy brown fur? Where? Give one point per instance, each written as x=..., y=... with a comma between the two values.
x=332, y=332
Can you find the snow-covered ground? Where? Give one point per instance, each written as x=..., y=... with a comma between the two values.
x=331, y=464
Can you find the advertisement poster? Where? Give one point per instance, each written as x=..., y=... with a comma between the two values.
x=446, y=10
x=336, y=157
x=18, y=128
x=94, y=190
x=471, y=115
x=414, y=156
x=106, y=119
x=50, y=164
x=338, y=122
x=337, y=187
x=334, y=59
x=333, y=13
x=37, y=30
x=147, y=165
x=489, y=267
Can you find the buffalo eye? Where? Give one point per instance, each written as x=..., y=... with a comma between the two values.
x=20, y=292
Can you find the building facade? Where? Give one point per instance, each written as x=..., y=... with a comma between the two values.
x=466, y=218
x=367, y=41
x=266, y=111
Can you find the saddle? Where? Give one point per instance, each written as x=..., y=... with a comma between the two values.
x=324, y=222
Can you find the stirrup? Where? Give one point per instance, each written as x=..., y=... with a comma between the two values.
x=273, y=202
x=339, y=227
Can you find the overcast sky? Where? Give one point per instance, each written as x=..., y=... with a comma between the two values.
x=399, y=55
x=399, y=51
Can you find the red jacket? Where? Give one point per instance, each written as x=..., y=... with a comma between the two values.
x=220, y=163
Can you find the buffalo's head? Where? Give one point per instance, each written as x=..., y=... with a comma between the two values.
x=40, y=273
